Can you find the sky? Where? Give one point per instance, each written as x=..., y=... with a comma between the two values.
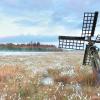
x=43, y=20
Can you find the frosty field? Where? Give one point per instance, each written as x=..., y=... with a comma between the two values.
x=46, y=76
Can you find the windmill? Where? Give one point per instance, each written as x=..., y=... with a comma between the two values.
x=91, y=56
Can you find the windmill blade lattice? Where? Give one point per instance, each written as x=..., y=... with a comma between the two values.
x=68, y=42
x=88, y=28
x=98, y=38
x=89, y=24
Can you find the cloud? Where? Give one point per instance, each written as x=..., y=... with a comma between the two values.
x=11, y=2
x=16, y=26
x=44, y=17
x=22, y=7
x=29, y=38
x=26, y=23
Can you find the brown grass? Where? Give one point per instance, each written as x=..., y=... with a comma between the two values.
x=18, y=83
x=9, y=71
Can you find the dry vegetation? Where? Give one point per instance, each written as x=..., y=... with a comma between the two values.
x=19, y=80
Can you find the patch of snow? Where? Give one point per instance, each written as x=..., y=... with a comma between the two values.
x=47, y=81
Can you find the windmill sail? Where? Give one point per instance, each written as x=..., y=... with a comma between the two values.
x=89, y=24
x=68, y=42
x=88, y=28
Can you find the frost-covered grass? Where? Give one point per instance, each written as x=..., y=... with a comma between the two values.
x=53, y=76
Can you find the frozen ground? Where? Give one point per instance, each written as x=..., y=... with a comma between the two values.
x=46, y=68
x=40, y=61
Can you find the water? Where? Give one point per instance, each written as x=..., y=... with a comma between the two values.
x=3, y=53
